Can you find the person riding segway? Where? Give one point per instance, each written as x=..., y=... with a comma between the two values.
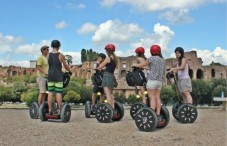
x=156, y=115
x=105, y=112
x=97, y=77
x=184, y=111
x=56, y=82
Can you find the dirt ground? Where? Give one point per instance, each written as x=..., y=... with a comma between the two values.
x=16, y=128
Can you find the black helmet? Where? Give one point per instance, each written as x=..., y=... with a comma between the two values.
x=103, y=56
x=179, y=49
x=55, y=44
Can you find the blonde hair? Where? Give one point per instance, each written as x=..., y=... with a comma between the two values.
x=109, y=53
x=115, y=60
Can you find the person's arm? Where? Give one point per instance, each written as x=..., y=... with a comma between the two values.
x=182, y=67
x=39, y=66
x=103, y=64
x=141, y=65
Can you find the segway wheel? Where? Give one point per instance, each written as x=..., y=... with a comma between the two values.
x=146, y=119
x=175, y=108
x=88, y=109
x=42, y=111
x=135, y=107
x=187, y=113
x=165, y=114
x=65, y=113
x=34, y=110
x=104, y=113
x=120, y=111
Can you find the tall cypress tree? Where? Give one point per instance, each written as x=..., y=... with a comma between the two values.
x=83, y=55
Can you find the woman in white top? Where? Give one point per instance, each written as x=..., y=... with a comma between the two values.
x=184, y=80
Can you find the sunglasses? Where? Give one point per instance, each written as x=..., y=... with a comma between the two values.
x=46, y=49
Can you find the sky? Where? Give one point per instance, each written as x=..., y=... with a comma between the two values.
x=27, y=25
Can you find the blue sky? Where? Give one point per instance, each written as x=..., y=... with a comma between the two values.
x=192, y=24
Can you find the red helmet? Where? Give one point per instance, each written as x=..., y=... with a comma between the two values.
x=140, y=50
x=155, y=49
x=110, y=47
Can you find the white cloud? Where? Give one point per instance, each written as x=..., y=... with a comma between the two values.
x=75, y=55
x=22, y=63
x=75, y=6
x=161, y=36
x=114, y=31
x=61, y=25
x=81, y=6
x=176, y=16
x=31, y=49
x=87, y=28
x=70, y=5
x=7, y=42
x=107, y=3
x=156, y=5
x=217, y=55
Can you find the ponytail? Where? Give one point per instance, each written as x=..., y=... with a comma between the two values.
x=115, y=60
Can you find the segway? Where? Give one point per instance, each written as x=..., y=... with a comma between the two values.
x=182, y=112
x=34, y=107
x=146, y=118
x=104, y=112
x=34, y=110
x=89, y=112
x=134, y=79
x=65, y=112
x=96, y=80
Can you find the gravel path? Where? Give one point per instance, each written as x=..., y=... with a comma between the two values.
x=16, y=128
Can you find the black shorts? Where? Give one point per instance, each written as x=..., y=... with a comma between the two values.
x=97, y=89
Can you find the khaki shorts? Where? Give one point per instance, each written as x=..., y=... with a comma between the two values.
x=184, y=85
x=152, y=84
x=42, y=84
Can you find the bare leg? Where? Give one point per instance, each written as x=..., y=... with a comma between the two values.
x=41, y=98
x=93, y=98
x=59, y=100
x=50, y=99
x=187, y=97
x=151, y=93
x=109, y=96
x=102, y=98
x=158, y=101
x=143, y=95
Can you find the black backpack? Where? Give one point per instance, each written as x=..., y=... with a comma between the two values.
x=136, y=77
x=129, y=79
x=97, y=78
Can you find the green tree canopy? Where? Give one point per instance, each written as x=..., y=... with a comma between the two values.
x=72, y=96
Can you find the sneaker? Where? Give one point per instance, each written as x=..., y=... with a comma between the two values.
x=54, y=112
x=93, y=108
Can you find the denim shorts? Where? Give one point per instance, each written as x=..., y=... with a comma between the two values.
x=153, y=84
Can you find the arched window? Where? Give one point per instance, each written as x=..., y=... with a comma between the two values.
x=199, y=74
x=123, y=73
x=212, y=73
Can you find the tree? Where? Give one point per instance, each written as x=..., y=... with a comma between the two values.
x=72, y=96
x=17, y=89
x=201, y=91
x=68, y=59
x=167, y=94
x=83, y=55
x=5, y=93
x=132, y=98
x=30, y=96
x=119, y=97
